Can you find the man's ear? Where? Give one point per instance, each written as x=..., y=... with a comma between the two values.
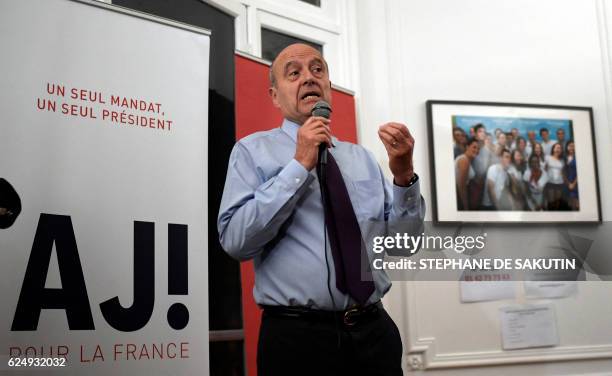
x=274, y=96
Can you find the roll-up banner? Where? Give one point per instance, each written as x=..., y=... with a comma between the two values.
x=103, y=191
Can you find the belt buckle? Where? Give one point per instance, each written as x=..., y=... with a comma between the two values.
x=348, y=321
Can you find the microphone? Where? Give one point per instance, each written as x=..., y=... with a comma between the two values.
x=322, y=109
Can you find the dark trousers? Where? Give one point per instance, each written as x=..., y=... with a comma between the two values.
x=297, y=346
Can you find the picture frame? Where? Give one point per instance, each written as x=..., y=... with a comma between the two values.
x=525, y=163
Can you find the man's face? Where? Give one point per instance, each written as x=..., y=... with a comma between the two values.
x=457, y=136
x=301, y=79
x=544, y=135
x=481, y=133
x=506, y=160
x=560, y=135
x=531, y=135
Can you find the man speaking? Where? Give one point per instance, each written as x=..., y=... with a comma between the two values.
x=320, y=316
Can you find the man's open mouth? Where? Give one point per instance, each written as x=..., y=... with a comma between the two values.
x=311, y=95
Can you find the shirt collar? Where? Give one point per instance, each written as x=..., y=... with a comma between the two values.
x=291, y=128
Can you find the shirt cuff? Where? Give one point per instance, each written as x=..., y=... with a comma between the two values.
x=294, y=175
x=406, y=198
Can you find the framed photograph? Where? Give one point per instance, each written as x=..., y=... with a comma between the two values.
x=509, y=162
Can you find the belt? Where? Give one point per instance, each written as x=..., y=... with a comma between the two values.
x=349, y=317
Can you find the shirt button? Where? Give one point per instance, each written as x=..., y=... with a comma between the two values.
x=297, y=180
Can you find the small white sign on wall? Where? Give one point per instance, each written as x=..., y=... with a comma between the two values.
x=528, y=326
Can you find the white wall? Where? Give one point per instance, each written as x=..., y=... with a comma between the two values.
x=524, y=51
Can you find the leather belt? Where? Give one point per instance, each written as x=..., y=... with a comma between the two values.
x=349, y=317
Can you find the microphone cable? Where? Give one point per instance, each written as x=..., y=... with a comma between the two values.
x=323, y=109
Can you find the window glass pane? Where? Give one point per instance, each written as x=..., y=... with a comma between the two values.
x=316, y=3
x=273, y=42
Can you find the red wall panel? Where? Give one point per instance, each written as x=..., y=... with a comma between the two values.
x=255, y=112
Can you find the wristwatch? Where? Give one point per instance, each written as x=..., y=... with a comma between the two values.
x=414, y=179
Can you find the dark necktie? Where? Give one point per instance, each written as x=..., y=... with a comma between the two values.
x=344, y=235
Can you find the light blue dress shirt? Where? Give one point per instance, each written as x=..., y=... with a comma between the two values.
x=271, y=212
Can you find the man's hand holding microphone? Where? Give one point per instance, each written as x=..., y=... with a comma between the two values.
x=314, y=132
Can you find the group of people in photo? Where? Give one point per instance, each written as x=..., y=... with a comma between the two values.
x=514, y=171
